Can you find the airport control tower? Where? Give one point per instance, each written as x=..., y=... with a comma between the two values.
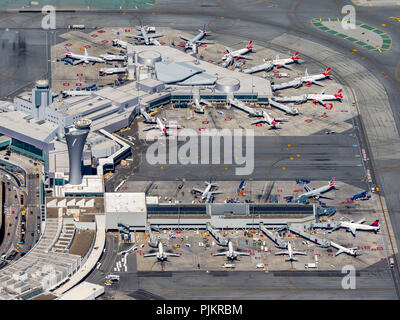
x=76, y=138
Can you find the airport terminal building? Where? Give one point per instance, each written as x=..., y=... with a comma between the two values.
x=162, y=75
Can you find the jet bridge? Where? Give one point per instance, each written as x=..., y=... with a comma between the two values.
x=280, y=243
x=296, y=83
x=295, y=99
x=146, y=116
x=300, y=231
x=242, y=106
x=220, y=240
x=283, y=107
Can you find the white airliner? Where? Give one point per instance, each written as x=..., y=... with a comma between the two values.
x=238, y=54
x=316, y=193
x=207, y=194
x=148, y=40
x=161, y=254
x=291, y=253
x=268, y=119
x=162, y=127
x=231, y=254
x=321, y=97
x=316, y=77
x=113, y=57
x=354, y=226
x=197, y=40
x=284, y=62
x=82, y=58
x=341, y=249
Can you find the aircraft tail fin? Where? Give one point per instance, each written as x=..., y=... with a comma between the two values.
x=332, y=182
x=306, y=73
x=338, y=94
x=292, y=259
x=86, y=54
x=375, y=223
x=249, y=46
x=327, y=73
x=295, y=56
x=67, y=51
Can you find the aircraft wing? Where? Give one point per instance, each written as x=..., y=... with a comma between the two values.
x=258, y=121
x=239, y=253
x=156, y=35
x=317, y=83
x=320, y=101
x=204, y=42
x=300, y=253
x=228, y=49
x=79, y=61
x=197, y=190
x=352, y=230
x=361, y=221
x=172, y=126
x=243, y=57
x=307, y=188
x=150, y=255
x=281, y=252
x=172, y=254
x=149, y=128
x=184, y=38
x=214, y=192
x=137, y=37
x=220, y=254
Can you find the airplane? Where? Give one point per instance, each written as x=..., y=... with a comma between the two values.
x=238, y=54
x=321, y=97
x=147, y=39
x=270, y=120
x=279, y=63
x=197, y=40
x=290, y=252
x=162, y=127
x=316, y=193
x=351, y=251
x=112, y=57
x=82, y=58
x=231, y=254
x=161, y=254
x=354, y=226
x=316, y=77
x=207, y=194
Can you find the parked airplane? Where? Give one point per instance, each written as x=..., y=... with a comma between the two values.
x=147, y=39
x=321, y=97
x=290, y=252
x=162, y=127
x=161, y=254
x=354, y=226
x=314, y=78
x=267, y=118
x=112, y=57
x=351, y=251
x=279, y=63
x=316, y=193
x=197, y=40
x=231, y=254
x=238, y=54
x=82, y=58
x=207, y=194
